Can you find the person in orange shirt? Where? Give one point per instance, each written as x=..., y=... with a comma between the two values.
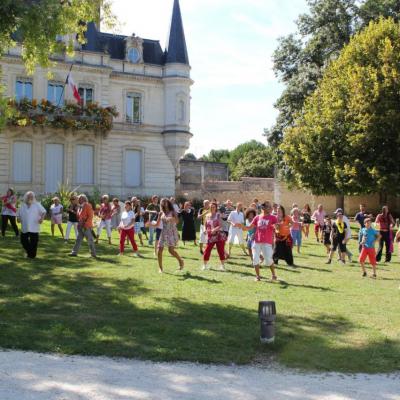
x=85, y=225
x=283, y=238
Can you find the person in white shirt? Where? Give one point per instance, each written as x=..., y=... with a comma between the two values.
x=31, y=215
x=56, y=214
x=9, y=212
x=236, y=234
x=126, y=229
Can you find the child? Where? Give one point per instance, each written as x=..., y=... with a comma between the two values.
x=326, y=235
x=126, y=229
x=72, y=217
x=56, y=213
x=105, y=214
x=339, y=238
x=296, y=228
x=250, y=215
x=368, y=238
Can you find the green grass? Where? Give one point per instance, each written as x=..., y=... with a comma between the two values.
x=329, y=318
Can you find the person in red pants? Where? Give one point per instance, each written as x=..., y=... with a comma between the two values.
x=126, y=230
x=216, y=237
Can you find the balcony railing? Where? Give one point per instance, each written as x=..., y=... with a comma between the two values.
x=68, y=116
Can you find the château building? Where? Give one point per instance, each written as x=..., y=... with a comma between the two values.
x=150, y=88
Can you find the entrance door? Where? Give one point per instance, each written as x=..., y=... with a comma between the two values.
x=54, y=167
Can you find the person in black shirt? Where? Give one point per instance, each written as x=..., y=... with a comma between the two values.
x=72, y=217
x=326, y=234
x=339, y=238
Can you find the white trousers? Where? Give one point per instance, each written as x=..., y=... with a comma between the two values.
x=104, y=224
x=69, y=227
x=264, y=249
x=235, y=236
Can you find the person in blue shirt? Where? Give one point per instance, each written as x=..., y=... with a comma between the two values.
x=369, y=236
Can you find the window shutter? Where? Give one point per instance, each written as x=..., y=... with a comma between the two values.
x=22, y=162
x=84, y=165
x=133, y=168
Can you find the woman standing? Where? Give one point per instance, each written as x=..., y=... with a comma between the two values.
x=9, y=212
x=215, y=236
x=188, y=225
x=139, y=220
x=31, y=215
x=306, y=216
x=283, y=239
x=126, y=229
x=169, y=236
x=385, y=223
x=105, y=214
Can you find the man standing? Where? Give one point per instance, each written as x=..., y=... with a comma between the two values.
x=319, y=218
x=31, y=215
x=85, y=225
x=236, y=218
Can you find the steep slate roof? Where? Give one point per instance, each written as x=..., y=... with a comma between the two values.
x=115, y=46
x=177, y=50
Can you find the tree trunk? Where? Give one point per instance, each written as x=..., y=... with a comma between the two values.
x=340, y=201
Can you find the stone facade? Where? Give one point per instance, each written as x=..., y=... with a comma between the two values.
x=159, y=138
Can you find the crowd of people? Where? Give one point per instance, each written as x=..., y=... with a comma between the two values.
x=265, y=231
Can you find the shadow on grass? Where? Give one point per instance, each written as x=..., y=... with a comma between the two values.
x=82, y=313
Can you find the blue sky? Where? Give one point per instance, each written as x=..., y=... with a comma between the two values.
x=230, y=44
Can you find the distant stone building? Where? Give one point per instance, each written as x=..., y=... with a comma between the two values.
x=194, y=173
x=140, y=155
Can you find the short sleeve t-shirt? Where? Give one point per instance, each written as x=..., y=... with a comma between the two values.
x=155, y=208
x=127, y=217
x=360, y=218
x=319, y=217
x=264, y=228
x=370, y=237
x=72, y=214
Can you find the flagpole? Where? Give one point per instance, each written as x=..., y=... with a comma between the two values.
x=66, y=81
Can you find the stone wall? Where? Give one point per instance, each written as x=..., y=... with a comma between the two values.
x=270, y=189
x=194, y=173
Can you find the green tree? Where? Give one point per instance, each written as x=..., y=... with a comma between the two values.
x=301, y=58
x=239, y=152
x=221, y=156
x=36, y=24
x=190, y=156
x=258, y=163
x=346, y=140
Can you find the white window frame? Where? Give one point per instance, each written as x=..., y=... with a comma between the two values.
x=141, y=151
x=134, y=95
x=13, y=161
x=23, y=80
x=85, y=87
x=56, y=84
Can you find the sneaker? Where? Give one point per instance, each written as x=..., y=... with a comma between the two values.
x=274, y=278
x=138, y=255
x=222, y=268
x=342, y=262
x=258, y=279
x=329, y=262
x=364, y=274
x=204, y=267
x=72, y=255
x=373, y=276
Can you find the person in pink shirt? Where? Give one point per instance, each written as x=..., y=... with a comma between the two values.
x=318, y=217
x=264, y=225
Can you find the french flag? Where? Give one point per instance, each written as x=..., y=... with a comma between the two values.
x=75, y=92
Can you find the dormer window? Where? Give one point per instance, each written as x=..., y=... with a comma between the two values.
x=134, y=49
x=133, y=55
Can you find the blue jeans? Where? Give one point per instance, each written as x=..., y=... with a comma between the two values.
x=151, y=235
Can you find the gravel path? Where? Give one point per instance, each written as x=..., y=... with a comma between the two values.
x=30, y=376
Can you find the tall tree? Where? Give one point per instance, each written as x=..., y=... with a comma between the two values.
x=221, y=156
x=347, y=138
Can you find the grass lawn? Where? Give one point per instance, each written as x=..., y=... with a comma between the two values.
x=329, y=318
